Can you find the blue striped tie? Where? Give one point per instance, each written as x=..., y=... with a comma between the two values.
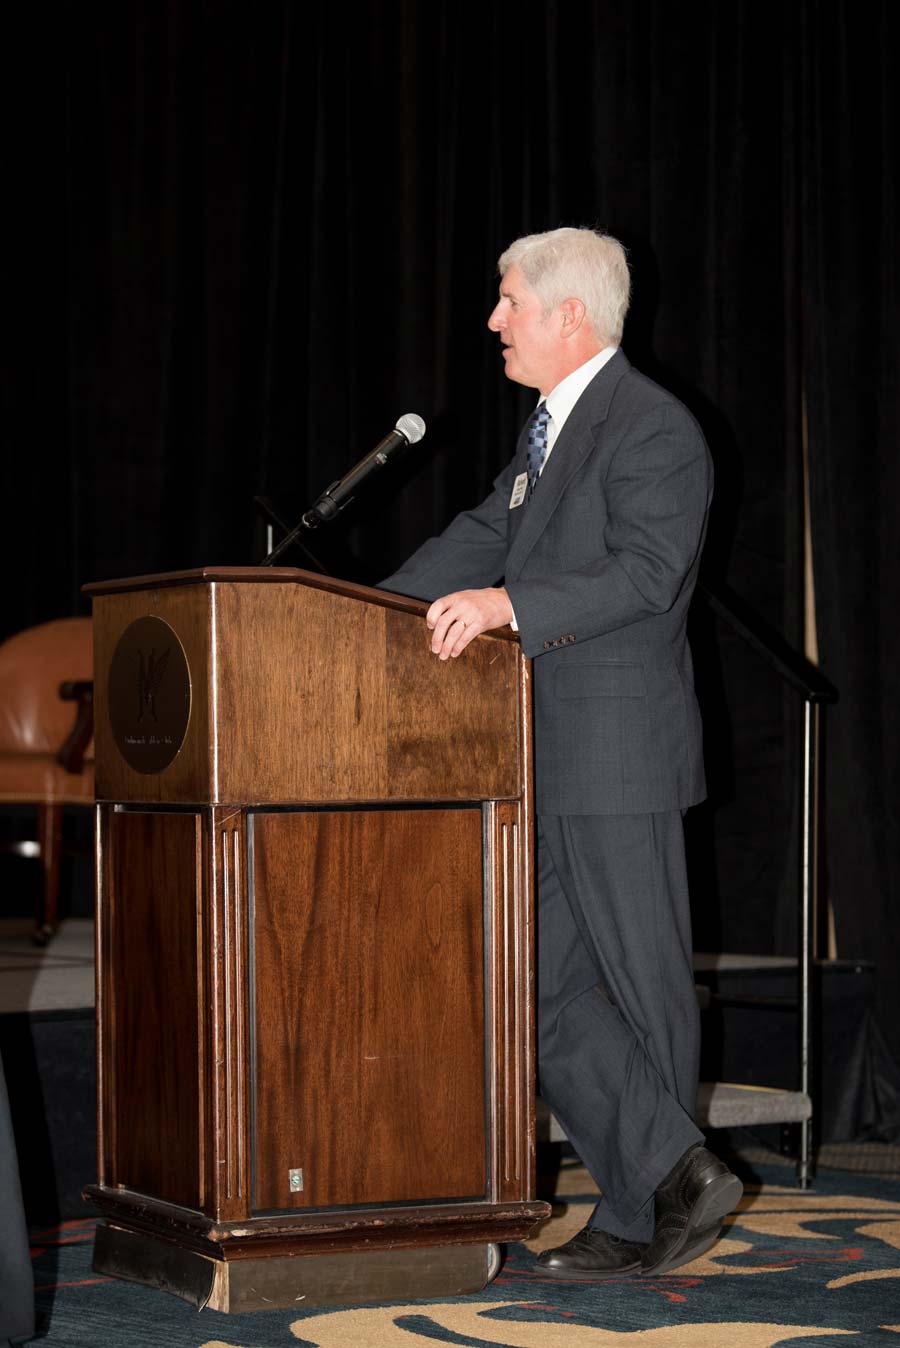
x=537, y=444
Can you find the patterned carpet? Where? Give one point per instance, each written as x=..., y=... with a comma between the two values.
x=804, y=1268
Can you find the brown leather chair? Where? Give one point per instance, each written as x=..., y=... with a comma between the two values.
x=46, y=745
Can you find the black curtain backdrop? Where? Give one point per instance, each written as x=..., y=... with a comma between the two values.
x=240, y=241
x=850, y=306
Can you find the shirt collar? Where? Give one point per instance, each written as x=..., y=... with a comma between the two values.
x=563, y=398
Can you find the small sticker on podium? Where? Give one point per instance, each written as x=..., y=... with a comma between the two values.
x=295, y=1180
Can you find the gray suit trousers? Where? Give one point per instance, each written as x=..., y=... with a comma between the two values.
x=618, y=1025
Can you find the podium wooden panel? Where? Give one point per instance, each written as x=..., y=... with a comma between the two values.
x=314, y=942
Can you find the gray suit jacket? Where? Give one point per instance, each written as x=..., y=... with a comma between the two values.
x=600, y=566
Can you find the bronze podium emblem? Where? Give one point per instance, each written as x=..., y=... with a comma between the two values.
x=149, y=693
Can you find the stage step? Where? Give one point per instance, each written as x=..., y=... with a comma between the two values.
x=720, y=1104
x=727, y=1104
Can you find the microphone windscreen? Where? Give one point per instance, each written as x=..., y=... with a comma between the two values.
x=412, y=426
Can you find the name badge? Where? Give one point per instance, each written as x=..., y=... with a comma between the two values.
x=520, y=487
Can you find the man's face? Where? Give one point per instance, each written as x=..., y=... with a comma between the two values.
x=531, y=340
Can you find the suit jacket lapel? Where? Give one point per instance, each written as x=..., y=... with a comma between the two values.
x=573, y=444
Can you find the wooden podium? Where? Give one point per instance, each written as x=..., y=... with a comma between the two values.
x=314, y=943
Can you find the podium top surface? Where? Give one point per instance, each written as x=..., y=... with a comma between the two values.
x=252, y=685
x=267, y=575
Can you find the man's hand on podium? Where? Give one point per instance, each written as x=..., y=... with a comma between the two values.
x=458, y=618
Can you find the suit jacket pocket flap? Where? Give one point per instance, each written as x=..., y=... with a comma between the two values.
x=617, y=679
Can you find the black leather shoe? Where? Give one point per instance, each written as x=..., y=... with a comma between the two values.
x=691, y=1204
x=592, y=1254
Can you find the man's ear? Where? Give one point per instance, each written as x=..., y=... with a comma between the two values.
x=572, y=314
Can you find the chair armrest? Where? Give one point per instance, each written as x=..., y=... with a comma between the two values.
x=71, y=755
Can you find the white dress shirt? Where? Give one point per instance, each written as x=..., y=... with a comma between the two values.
x=563, y=398
x=560, y=402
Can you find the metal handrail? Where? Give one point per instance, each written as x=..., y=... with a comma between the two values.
x=816, y=691
x=768, y=642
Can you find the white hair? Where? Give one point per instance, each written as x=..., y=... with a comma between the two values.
x=576, y=264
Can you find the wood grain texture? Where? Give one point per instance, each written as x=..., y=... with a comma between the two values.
x=391, y=1066
x=512, y=1005
x=303, y=694
x=319, y=1232
x=369, y=1014
x=266, y=575
x=300, y=695
x=188, y=778
x=226, y=980
x=452, y=725
x=150, y=1007
x=322, y=699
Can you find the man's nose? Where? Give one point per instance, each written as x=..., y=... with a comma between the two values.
x=495, y=322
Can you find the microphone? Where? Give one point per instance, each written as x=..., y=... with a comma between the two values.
x=408, y=431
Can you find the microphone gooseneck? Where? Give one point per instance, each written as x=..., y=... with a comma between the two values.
x=408, y=431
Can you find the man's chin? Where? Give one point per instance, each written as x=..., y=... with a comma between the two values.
x=518, y=377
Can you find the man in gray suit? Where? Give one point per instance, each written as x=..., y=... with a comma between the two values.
x=589, y=546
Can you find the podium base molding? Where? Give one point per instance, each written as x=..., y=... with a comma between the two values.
x=310, y=1280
